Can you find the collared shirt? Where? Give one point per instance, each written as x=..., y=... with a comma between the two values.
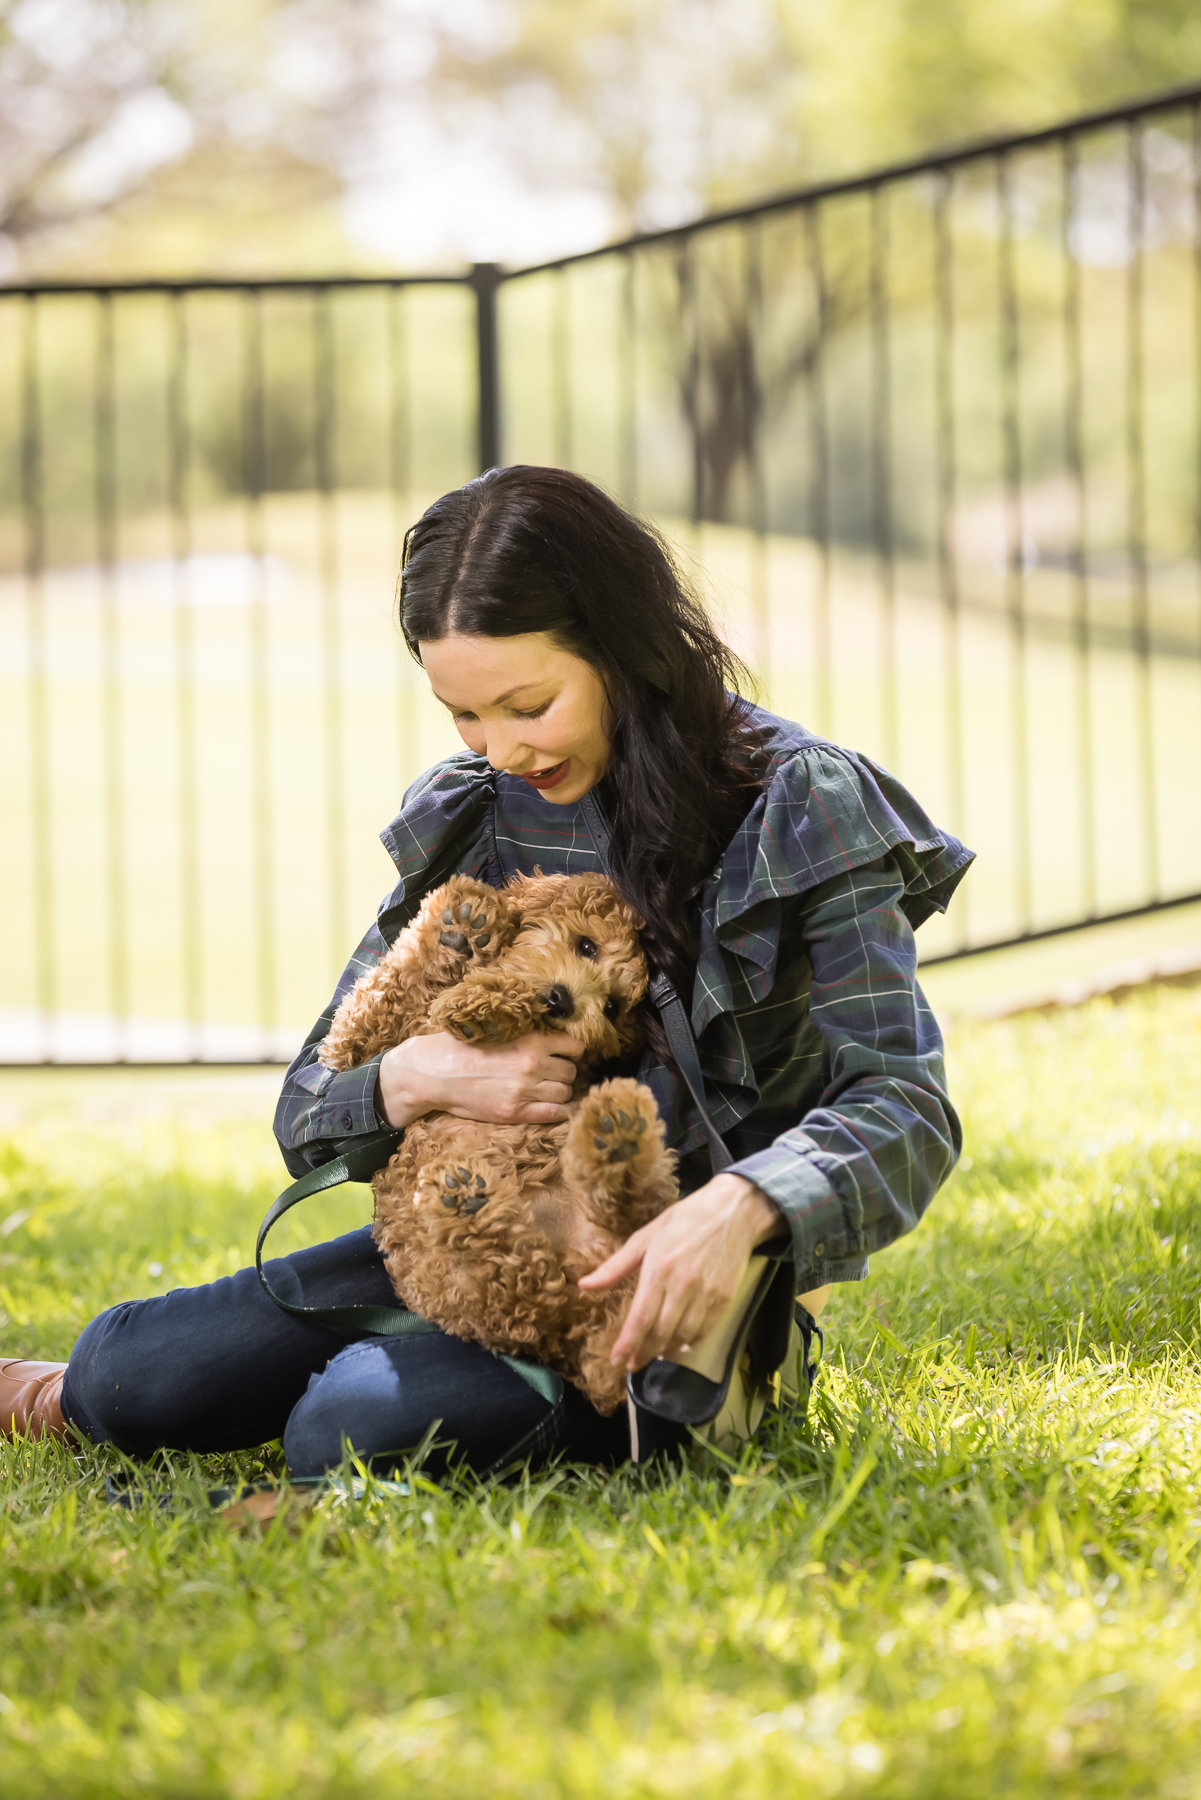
x=822, y=1060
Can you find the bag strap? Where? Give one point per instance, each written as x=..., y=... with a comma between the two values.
x=668, y=1005
x=359, y=1162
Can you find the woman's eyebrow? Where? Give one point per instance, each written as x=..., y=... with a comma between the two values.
x=499, y=701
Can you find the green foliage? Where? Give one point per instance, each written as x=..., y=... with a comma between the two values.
x=675, y=104
x=892, y=78
x=973, y=1571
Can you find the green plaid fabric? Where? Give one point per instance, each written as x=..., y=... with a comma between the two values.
x=822, y=1060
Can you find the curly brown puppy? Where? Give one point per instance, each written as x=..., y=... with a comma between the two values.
x=486, y=1229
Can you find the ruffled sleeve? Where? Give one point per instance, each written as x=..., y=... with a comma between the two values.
x=443, y=828
x=824, y=811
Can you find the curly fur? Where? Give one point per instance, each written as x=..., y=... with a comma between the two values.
x=486, y=1229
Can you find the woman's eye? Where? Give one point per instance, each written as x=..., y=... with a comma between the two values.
x=536, y=714
x=587, y=948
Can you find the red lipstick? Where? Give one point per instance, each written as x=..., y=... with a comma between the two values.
x=548, y=778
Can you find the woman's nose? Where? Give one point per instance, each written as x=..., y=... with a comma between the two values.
x=506, y=752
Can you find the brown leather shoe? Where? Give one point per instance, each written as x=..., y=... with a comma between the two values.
x=30, y=1400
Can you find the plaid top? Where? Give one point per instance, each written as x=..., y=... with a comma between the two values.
x=822, y=1060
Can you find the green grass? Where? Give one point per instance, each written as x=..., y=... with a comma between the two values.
x=973, y=1572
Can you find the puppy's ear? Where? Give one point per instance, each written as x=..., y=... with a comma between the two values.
x=534, y=893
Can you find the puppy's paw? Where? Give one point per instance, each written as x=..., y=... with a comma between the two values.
x=617, y=1134
x=487, y=1007
x=615, y=1158
x=463, y=1190
x=473, y=922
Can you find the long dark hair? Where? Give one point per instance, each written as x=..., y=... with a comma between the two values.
x=528, y=549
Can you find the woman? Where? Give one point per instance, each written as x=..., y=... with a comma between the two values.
x=780, y=878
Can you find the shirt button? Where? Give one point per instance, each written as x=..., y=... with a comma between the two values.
x=347, y=1121
x=819, y=1249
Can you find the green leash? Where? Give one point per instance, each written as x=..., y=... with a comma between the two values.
x=360, y=1163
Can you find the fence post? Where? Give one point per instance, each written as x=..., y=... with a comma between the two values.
x=485, y=279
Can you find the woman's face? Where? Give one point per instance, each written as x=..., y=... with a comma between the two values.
x=531, y=708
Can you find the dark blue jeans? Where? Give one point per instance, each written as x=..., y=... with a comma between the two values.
x=221, y=1368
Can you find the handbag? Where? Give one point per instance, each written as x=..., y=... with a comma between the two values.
x=761, y=1349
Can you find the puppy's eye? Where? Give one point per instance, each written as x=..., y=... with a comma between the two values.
x=612, y=1008
x=587, y=948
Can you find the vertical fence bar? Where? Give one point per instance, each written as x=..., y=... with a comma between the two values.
x=691, y=373
x=400, y=416
x=1196, y=259
x=560, y=352
x=324, y=416
x=1078, y=556
x=882, y=469
x=485, y=279
x=190, y=897
x=400, y=481
x=947, y=491
x=1136, y=486
x=753, y=403
x=41, y=799
x=104, y=437
x=627, y=377
x=254, y=440
x=819, y=472
x=1015, y=564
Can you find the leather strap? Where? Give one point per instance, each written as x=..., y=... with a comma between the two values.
x=360, y=1162
x=668, y=1005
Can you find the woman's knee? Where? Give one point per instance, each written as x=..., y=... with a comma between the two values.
x=99, y=1396
x=121, y=1388
x=382, y=1396
x=355, y=1400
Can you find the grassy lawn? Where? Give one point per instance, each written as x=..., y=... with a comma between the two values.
x=973, y=1572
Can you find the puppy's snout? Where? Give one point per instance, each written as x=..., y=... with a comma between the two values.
x=560, y=1002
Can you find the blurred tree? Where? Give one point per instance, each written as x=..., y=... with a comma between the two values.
x=222, y=110
x=890, y=78
x=225, y=132
x=673, y=106
x=656, y=103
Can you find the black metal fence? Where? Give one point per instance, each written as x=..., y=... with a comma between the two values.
x=931, y=437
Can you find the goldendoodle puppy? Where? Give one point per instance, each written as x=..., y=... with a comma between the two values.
x=486, y=1229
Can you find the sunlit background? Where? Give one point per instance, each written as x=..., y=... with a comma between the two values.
x=235, y=135
x=930, y=447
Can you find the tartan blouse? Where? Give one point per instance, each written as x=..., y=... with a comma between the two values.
x=822, y=1060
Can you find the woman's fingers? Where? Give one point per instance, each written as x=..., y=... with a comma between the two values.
x=526, y=1082
x=648, y=1331
x=693, y=1326
x=692, y=1259
x=555, y=1052
x=615, y=1267
x=663, y=1291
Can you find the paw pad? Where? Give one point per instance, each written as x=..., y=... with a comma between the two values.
x=464, y=1192
x=459, y=922
x=619, y=1141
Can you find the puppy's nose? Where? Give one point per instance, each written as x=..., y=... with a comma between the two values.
x=560, y=1002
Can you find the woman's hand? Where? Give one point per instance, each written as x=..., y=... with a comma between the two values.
x=527, y=1082
x=692, y=1257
